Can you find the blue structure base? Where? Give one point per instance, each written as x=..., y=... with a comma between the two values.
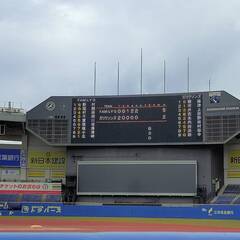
x=59, y=209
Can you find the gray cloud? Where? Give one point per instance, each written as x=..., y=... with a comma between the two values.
x=49, y=47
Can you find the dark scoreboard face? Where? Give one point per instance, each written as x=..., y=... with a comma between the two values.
x=142, y=119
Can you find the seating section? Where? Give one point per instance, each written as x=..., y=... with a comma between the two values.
x=224, y=199
x=53, y=198
x=9, y=197
x=229, y=195
x=31, y=198
x=232, y=189
x=237, y=200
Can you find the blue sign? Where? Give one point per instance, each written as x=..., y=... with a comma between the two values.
x=10, y=157
x=23, y=160
x=207, y=211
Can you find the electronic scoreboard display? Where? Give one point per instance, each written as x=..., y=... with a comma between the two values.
x=137, y=119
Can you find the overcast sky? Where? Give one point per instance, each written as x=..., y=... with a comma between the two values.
x=48, y=47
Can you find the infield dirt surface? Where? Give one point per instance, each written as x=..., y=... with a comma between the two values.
x=79, y=224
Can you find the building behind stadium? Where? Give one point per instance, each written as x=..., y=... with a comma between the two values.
x=116, y=149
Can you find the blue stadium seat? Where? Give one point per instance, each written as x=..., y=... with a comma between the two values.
x=232, y=189
x=224, y=199
x=237, y=201
x=8, y=197
x=32, y=198
x=53, y=198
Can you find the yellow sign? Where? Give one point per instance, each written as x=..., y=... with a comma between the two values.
x=58, y=174
x=47, y=160
x=234, y=159
x=233, y=174
x=36, y=173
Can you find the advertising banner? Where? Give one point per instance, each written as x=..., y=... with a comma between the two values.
x=10, y=172
x=10, y=157
x=233, y=174
x=58, y=174
x=29, y=188
x=234, y=159
x=36, y=173
x=206, y=211
x=47, y=160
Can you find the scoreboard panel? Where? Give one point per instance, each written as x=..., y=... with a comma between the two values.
x=137, y=119
x=137, y=178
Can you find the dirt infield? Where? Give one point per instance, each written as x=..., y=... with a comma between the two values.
x=70, y=224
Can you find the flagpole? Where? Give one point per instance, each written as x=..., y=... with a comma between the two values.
x=141, y=79
x=95, y=78
x=164, y=76
x=188, y=76
x=118, y=78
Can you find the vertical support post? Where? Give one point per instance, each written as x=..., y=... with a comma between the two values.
x=164, y=76
x=141, y=79
x=95, y=79
x=118, y=79
x=188, y=76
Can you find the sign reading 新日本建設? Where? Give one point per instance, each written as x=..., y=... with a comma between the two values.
x=47, y=160
x=234, y=159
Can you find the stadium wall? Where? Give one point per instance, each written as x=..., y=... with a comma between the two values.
x=191, y=212
x=209, y=159
x=215, y=122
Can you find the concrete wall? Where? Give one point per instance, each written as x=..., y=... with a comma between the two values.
x=210, y=164
x=217, y=167
x=209, y=158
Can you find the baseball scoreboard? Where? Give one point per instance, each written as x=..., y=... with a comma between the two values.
x=137, y=119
